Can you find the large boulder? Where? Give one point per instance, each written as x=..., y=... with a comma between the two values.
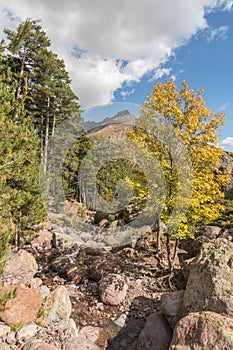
x=156, y=334
x=19, y=268
x=23, y=308
x=210, y=282
x=203, y=330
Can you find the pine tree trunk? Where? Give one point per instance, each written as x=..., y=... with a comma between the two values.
x=46, y=142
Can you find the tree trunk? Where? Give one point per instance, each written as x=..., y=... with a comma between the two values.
x=46, y=142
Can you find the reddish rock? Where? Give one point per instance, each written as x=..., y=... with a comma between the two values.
x=23, y=308
x=19, y=268
x=43, y=237
x=203, y=330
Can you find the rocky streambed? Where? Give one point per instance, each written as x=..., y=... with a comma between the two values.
x=67, y=295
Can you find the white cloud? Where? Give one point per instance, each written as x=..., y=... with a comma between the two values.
x=228, y=141
x=118, y=41
x=217, y=33
x=127, y=93
x=223, y=107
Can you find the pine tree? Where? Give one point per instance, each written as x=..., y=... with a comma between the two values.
x=50, y=99
x=20, y=202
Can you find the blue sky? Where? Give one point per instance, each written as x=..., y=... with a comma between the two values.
x=205, y=62
x=115, y=51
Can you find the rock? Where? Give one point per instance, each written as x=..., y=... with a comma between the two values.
x=209, y=232
x=156, y=334
x=203, y=330
x=27, y=331
x=78, y=274
x=58, y=304
x=171, y=304
x=210, y=282
x=10, y=338
x=90, y=333
x=63, y=263
x=76, y=343
x=23, y=308
x=226, y=164
x=19, y=268
x=35, y=283
x=121, y=320
x=105, y=264
x=36, y=344
x=4, y=329
x=44, y=291
x=68, y=327
x=113, y=288
x=61, y=240
x=4, y=346
x=43, y=238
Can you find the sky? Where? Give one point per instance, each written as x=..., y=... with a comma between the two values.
x=115, y=51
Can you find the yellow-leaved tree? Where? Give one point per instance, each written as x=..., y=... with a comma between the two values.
x=196, y=126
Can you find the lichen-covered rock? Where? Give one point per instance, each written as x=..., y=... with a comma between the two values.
x=23, y=308
x=58, y=304
x=156, y=334
x=203, y=330
x=171, y=304
x=19, y=268
x=210, y=282
x=113, y=288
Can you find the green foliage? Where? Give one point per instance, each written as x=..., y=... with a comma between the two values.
x=20, y=202
x=71, y=166
x=6, y=297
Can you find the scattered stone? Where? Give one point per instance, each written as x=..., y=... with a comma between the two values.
x=156, y=335
x=61, y=240
x=171, y=304
x=43, y=238
x=10, y=338
x=203, y=330
x=77, y=274
x=35, y=283
x=4, y=329
x=36, y=344
x=44, y=291
x=4, y=346
x=210, y=282
x=90, y=333
x=19, y=267
x=76, y=343
x=103, y=265
x=121, y=320
x=209, y=232
x=27, y=331
x=23, y=307
x=58, y=304
x=113, y=288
